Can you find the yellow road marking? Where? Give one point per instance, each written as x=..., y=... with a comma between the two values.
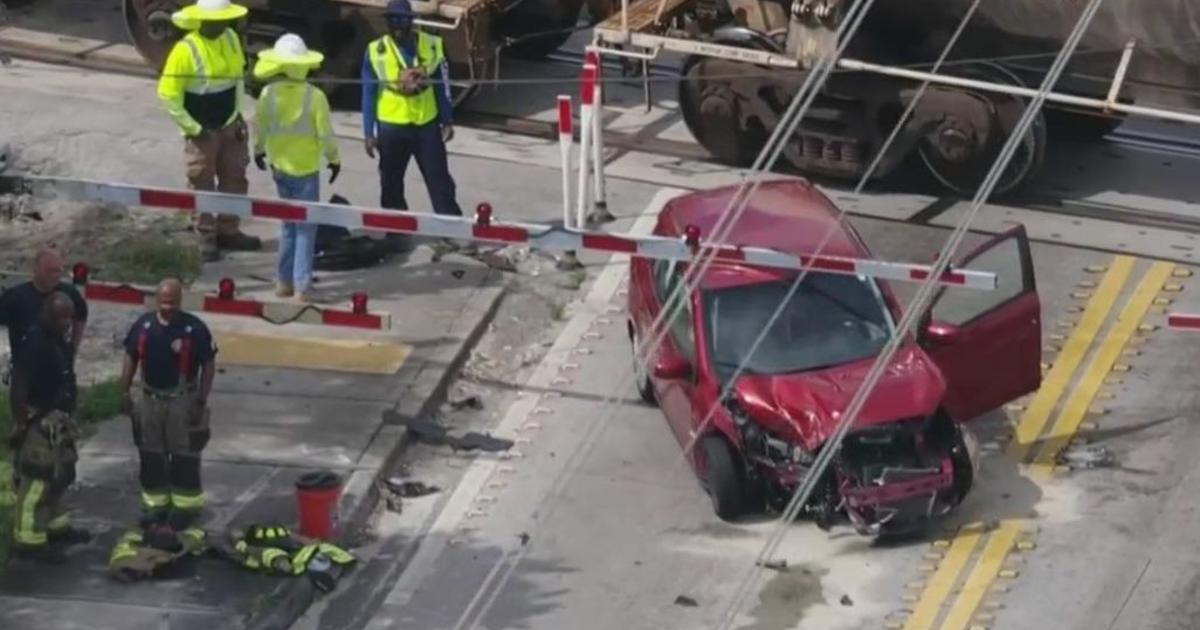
x=999, y=543
x=1106, y=356
x=1035, y=418
x=925, y=613
x=339, y=355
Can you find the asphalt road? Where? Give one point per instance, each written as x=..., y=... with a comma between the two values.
x=621, y=535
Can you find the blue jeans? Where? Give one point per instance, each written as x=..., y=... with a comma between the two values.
x=297, y=241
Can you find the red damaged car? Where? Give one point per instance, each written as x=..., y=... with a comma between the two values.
x=908, y=457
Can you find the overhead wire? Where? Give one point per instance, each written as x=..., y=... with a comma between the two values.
x=765, y=73
x=916, y=310
x=731, y=381
x=765, y=161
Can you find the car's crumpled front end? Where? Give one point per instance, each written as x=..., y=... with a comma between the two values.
x=904, y=462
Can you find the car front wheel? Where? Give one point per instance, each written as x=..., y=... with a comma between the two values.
x=641, y=374
x=723, y=478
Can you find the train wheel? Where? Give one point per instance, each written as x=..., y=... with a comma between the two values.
x=148, y=23
x=712, y=111
x=962, y=170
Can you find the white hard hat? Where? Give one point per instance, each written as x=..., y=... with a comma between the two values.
x=289, y=50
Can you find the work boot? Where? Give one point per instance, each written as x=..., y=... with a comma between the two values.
x=284, y=289
x=40, y=553
x=239, y=242
x=69, y=536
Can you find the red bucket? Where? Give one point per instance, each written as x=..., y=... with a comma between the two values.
x=317, y=495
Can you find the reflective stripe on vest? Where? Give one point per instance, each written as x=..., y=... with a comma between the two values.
x=185, y=352
x=302, y=126
x=205, y=84
x=386, y=58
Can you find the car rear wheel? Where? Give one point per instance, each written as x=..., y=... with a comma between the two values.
x=641, y=374
x=723, y=478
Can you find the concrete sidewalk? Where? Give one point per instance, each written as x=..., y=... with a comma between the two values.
x=272, y=421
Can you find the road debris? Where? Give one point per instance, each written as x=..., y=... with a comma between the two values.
x=775, y=565
x=435, y=434
x=470, y=402
x=846, y=601
x=684, y=600
x=410, y=489
x=1087, y=457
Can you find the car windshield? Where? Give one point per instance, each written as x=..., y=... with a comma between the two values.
x=830, y=320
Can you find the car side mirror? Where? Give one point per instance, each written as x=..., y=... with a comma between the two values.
x=673, y=369
x=941, y=333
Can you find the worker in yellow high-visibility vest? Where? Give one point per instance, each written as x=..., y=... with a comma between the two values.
x=202, y=88
x=407, y=112
x=293, y=132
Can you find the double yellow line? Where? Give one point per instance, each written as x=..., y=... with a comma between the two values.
x=1028, y=438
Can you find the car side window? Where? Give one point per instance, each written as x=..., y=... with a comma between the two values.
x=682, y=330
x=663, y=278
x=960, y=306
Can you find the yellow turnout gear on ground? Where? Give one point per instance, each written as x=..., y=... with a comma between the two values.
x=133, y=557
x=395, y=107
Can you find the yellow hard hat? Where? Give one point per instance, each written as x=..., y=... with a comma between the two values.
x=188, y=18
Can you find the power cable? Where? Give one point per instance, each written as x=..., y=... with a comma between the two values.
x=677, y=78
x=915, y=311
x=731, y=382
x=775, y=145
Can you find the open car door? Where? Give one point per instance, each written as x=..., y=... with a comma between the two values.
x=988, y=344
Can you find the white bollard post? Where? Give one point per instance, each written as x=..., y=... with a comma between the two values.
x=587, y=97
x=568, y=259
x=565, y=140
x=600, y=213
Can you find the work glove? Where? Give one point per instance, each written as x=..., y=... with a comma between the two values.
x=260, y=160
x=334, y=171
x=447, y=133
x=369, y=145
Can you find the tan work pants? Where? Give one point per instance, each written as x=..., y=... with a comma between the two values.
x=218, y=161
x=170, y=433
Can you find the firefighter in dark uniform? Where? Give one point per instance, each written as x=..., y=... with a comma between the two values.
x=177, y=356
x=44, y=393
x=20, y=309
x=21, y=306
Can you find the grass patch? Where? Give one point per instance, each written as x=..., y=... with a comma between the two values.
x=97, y=402
x=146, y=260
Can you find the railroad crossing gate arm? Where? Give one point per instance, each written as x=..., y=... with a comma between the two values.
x=1184, y=321
x=223, y=302
x=484, y=228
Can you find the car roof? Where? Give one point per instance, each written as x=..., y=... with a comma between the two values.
x=789, y=215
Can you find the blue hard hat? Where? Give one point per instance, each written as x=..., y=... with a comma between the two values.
x=400, y=9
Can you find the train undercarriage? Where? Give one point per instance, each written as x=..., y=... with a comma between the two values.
x=744, y=62
x=746, y=59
